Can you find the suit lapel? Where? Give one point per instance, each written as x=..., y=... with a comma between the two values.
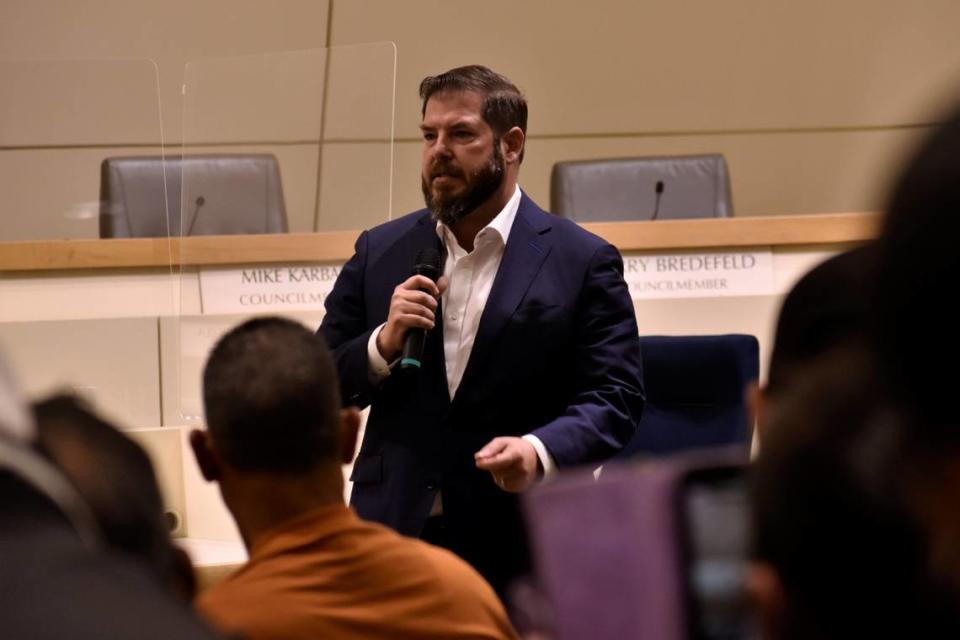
x=424, y=235
x=527, y=247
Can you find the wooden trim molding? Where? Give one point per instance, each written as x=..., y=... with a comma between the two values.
x=124, y=253
x=337, y=246
x=707, y=233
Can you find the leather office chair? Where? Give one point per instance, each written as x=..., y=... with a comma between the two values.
x=223, y=195
x=695, y=393
x=625, y=189
x=647, y=551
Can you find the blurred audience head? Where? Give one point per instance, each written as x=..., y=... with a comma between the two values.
x=918, y=268
x=62, y=575
x=22, y=465
x=917, y=343
x=839, y=549
x=855, y=491
x=116, y=480
x=827, y=310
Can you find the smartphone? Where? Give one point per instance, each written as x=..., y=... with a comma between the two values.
x=712, y=516
x=649, y=551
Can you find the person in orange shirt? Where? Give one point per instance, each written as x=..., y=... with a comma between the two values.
x=275, y=441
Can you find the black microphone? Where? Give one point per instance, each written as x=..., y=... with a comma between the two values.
x=199, y=202
x=427, y=264
x=656, y=204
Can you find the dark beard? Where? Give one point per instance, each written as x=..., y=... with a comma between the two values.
x=480, y=186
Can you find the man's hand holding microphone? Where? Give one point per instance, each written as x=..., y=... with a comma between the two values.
x=513, y=462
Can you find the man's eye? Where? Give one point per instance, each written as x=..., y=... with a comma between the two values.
x=429, y=136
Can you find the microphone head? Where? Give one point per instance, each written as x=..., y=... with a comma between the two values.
x=200, y=201
x=428, y=263
x=659, y=187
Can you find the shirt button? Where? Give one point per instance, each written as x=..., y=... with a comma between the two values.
x=453, y=316
x=431, y=485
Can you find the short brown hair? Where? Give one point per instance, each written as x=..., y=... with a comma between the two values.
x=272, y=398
x=504, y=107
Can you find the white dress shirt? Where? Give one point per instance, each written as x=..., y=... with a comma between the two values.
x=470, y=277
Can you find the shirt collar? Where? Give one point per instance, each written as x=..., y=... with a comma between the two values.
x=502, y=223
x=309, y=526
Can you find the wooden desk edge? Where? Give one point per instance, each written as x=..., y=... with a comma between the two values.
x=337, y=246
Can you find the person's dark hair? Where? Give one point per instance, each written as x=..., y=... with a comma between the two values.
x=271, y=397
x=828, y=307
x=504, y=107
x=114, y=476
x=918, y=270
x=831, y=513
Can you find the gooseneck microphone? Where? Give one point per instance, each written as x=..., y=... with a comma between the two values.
x=656, y=204
x=200, y=201
x=428, y=263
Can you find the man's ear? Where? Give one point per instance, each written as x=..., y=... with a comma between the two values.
x=207, y=458
x=349, y=428
x=756, y=397
x=768, y=598
x=512, y=141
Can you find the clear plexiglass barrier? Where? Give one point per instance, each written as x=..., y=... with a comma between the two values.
x=59, y=121
x=71, y=134
x=62, y=122
x=288, y=142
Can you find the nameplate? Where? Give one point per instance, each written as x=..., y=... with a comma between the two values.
x=267, y=288
x=699, y=275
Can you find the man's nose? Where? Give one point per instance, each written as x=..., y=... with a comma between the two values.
x=441, y=146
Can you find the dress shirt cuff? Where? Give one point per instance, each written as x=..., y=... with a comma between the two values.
x=546, y=460
x=378, y=368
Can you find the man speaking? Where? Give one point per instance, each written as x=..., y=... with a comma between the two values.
x=531, y=360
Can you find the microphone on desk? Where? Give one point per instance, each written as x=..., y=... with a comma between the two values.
x=200, y=201
x=428, y=263
x=656, y=204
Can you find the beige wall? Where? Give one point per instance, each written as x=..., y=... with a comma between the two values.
x=813, y=103
x=171, y=33
x=50, y=174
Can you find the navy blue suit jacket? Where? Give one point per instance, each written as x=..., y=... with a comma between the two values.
x=556, y=355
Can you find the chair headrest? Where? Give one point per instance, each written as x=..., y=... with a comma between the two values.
x=697, y=369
